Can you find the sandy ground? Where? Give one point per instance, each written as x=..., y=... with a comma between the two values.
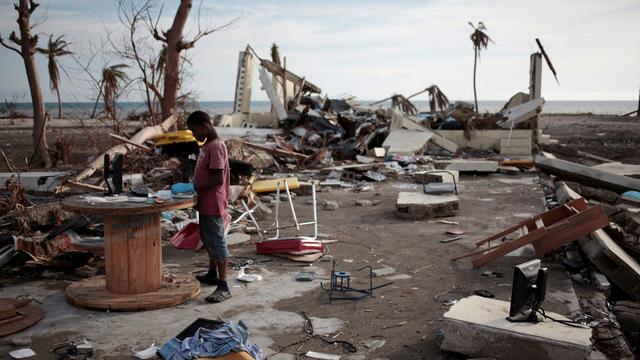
x=400, y=322
x=613, y=137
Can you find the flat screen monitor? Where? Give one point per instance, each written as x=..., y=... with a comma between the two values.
x=528, y=291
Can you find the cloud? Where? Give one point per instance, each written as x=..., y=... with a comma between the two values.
x=374, y=49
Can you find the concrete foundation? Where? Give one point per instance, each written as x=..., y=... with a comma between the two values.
x=460, y=165
x=419, y=206
x=477, y=327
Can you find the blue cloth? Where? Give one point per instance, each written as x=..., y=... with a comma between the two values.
x=231, y=336
x=180, y=188
x=632, y=194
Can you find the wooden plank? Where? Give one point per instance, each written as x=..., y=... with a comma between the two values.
x=141, y=136
x=550, y=217
x=573, y=228
x=154, y=252
x=506, y=232
x=587, y=175
x=278, y=152
x=137, y=255
x=127, y=141
x=118, y=253
x=80, y=205
x=508, y=247
x=477, y=252
x=28, y=314
x=83, y=186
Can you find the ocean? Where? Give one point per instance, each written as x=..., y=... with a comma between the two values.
x=72, y=110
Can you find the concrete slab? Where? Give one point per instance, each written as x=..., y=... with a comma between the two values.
x=406, y=142
x=483, y=139
x=419, y=206
x=253, y=303
x=477, y=327
x=461, y=165
x=40, y=182
x=521, y=113
x=444, y=143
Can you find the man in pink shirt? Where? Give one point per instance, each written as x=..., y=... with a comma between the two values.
x=211, y=182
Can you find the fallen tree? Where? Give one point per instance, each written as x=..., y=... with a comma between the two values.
x=140, y=137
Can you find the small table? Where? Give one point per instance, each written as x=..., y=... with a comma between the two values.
x=133, y=258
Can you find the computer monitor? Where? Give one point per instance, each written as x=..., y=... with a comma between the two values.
x=528, y=291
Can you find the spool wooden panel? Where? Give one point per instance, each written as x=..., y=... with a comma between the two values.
x=24, y=314
x=93, y=295
x=133, y=253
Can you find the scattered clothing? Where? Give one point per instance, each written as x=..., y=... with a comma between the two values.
x=231, y=336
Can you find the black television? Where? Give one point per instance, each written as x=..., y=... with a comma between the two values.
x=528, y=291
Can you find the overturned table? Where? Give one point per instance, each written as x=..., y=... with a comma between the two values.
x=133, y=258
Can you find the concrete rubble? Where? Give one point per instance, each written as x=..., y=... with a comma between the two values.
x=477, y=327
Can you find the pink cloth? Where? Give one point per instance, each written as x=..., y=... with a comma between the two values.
x=213, y=201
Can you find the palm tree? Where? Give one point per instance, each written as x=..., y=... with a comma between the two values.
x=400, y=102
x=437, y=99
x=480, y=40
x=55, y=49
x=112, y=79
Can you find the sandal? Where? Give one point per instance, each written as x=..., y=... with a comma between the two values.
x=218, y=296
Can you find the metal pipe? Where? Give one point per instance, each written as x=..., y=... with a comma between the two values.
x=293, y=211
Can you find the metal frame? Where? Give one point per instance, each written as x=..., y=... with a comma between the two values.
x=455, y=183
x=338, y=279
x=276, y=226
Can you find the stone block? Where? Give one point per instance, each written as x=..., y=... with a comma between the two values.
x=419, y=206
x=477, y=327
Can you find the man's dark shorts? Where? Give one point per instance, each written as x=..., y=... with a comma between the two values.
x=212, y=236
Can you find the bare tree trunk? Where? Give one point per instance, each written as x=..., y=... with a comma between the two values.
x=28, y=43
x=95, y=105
x=172, y=59
x=59, y=104
x=475, y=62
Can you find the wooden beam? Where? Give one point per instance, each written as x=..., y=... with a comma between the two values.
x=127, y=141
x=140, y=137
x=83, y=186
x=573, y=228
x=508, y=247
x=278, y=152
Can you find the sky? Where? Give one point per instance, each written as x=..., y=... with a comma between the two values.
x=370, y=49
